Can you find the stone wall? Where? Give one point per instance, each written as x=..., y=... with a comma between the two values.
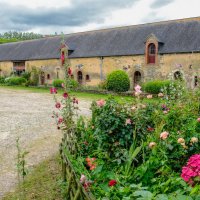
x=97, y=68
x=6, y=68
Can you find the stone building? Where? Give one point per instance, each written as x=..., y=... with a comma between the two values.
x=162, y=50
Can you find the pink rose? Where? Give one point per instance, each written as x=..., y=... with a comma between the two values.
x=101, y=103
x=63, y=85
x=198, y=119
x=164, y=135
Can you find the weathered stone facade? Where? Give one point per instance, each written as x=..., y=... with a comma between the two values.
x=146, y=52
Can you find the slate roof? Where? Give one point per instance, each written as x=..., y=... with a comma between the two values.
x=177, y=36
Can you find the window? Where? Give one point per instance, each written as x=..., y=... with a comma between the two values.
x=48, y=76
x=87, y=77
x=151, y=57
x=195, y=81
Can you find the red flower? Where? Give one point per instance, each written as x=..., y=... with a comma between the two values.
x=69, y=71
x=150, y=129
x=112, y=183
x=53, y=90
x=58, y=105
x=65, y=95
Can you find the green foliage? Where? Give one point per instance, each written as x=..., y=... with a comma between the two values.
x=73, y=84
x=58, y=83
x=34, y=80
x=26, y=75
x=15, y=81
x=118, y=81
x=16, y=36
x=3, y=40
x=154, y=87
x=2, y=80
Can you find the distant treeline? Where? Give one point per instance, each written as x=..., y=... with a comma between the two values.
x=13, y=36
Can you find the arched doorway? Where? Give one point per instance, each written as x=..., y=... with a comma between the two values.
x=137, y=77
x=80, y=77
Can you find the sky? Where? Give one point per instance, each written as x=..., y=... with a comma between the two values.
x=68, y=16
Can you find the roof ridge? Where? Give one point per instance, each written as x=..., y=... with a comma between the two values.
x=108, y=29
x=136, y=25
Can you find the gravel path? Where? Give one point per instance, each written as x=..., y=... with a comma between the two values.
x=27, y=115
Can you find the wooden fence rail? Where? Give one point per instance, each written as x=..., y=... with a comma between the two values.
x=74, y=190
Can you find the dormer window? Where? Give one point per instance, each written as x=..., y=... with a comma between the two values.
x=151, y=57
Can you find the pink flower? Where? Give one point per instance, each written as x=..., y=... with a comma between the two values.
x=58, y=105
x=165, y=111
x=128, y=121
x=53, y=90
x=198, y=119
x=65, y=95
x=138, y=89
x=164, y=135
x=191, y=170
x=100, y=103
x=63, y=85
x=60, y=120
x=152, y=145
x=149, y=96
x=83, y=178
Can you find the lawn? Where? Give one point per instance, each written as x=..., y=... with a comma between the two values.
x=80, y=95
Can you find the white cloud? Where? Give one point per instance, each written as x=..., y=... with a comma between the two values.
x=143, y=11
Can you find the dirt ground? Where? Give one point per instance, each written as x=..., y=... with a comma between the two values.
x=27, y=115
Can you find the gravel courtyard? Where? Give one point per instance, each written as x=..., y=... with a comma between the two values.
x=27, y=115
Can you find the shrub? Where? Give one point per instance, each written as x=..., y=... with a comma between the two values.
x=15, y=80
x=73, y=84
x=154, y=87
x=2, y=80
x=118, y=81
x=26, y=75
x=58, y=82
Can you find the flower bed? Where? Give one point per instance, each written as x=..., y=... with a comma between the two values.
x=132, y=151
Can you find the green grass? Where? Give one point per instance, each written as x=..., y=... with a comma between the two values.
x=43, y=183
x=79, y=95
x=3, y=40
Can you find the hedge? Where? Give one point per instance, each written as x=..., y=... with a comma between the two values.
x=154, y=87
x=118, y=81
